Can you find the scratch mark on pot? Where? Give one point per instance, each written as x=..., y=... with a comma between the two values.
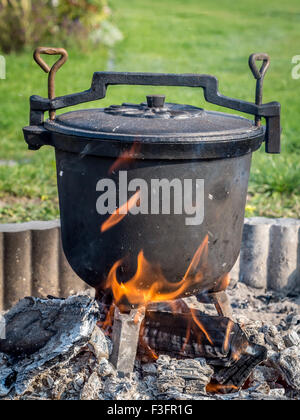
x=85, y=151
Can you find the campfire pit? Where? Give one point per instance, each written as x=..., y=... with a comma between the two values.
x=54, y=350
x=152, y=196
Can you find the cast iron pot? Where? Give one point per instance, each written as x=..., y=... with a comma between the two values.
x=163, y=141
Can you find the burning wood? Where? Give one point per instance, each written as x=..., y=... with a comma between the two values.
x=218, y=340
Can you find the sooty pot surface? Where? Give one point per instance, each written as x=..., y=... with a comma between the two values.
x=166, y=239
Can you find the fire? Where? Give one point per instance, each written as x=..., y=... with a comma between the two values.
x=200, y=326
x=227, y=335
x=150, y=352
x=120, y=213
x=149, y=283
x=106, y=325
x=220, y=389
x=126, y=158
x=224, y=282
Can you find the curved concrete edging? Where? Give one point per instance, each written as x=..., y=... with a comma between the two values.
x=270, y=254
x=32, y=262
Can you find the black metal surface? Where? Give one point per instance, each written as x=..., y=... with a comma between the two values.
x=180, y=132
x=172, y=132
x=165, y=239
x=180, y=121
x=156, y=101
x=209, y=84
x=259, y=75
x=170, y=149
x=143, y=110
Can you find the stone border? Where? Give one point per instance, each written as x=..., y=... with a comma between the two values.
x=270, y=255
x=32, y=262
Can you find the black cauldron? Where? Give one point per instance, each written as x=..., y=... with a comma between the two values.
x=154, y=142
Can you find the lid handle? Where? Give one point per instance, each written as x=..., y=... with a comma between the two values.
x=273, y=122
x=156, y=101
x=209, y=84
x=52, y=71
x=259, y=75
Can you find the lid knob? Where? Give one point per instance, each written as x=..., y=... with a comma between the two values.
x=156, y=101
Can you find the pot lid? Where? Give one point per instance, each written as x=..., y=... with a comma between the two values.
x=154, y=121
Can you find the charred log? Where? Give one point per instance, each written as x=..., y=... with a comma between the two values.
x=236, y=375
x=193, y=335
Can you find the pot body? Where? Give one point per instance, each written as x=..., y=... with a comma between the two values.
x=166, y=239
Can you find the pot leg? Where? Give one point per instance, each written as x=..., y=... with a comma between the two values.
x=222, y=304
x=125, y=339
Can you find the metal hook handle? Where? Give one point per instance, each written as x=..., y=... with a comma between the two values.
x=259, y=75
x=51, y=71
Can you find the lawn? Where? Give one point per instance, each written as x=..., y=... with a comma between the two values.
x=183, y=36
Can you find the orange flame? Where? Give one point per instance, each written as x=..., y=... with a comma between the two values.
x=126, y=158
x=187, y=337
x=227, y=335
x=220, y=389
x=224, y=282
x=108, y=322
x=150, y=352
x=200, y=326
x=149, y=284
x=120, y=213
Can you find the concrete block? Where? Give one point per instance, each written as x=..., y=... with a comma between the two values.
x=1, y=272
x=45, y=270
x=32, y=263
x=69, y=282
x=254, y=252
x=284, y=255
x=17, y=267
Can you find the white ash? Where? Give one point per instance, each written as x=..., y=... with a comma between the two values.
x=78, y=367
x=288, y=363
x=292, y=339
x=59, y=329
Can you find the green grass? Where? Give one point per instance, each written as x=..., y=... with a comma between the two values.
x=183, y=36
